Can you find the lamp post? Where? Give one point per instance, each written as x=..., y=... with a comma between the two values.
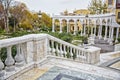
x=39, y=16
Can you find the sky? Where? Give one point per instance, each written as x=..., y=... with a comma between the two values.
x=55, y=6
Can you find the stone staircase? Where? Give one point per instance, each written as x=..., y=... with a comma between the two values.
x=104, y=45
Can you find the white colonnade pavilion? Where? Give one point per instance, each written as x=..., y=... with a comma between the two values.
x=96, y=22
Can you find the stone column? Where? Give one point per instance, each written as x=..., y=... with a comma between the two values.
x=95, y=29
x=67, y=26
x=91, y=30
x=106, y=27
x=81, y=30
x=112, y=33
x=109, y=31
x=117, y=34
x=84, y=29
x=100, y=36
x=53, y=26
x=98, y=30
x=9, y=62
x=60, y=26
x=75, y=27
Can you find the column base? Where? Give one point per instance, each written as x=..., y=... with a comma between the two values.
x=105, y=38
x=60, y=32
x=20, y=64
x=74, y=33
x=53, y=31
x=116, y=41
x=100, y=37
x=2, y=73
x=10, y=68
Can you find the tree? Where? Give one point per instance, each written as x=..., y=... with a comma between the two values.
x=18, y=12
x=46, y=19
x=97, y=7
x=5, y=5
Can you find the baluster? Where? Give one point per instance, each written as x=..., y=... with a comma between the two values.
x=83, y=53
x=53, y=49
x=2, y=72
x=74, y=53
x=57, y=50
x=71, y=53
x=65, y=50
x=77, y=53
x=9, y=60
x=49, y=48
x=82, y=56
x=68, y=52
x=19, y=57
x=86, y=57
x=61, y=51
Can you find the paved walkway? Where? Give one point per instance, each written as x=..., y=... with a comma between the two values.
x=104, y=45
x=72, y=65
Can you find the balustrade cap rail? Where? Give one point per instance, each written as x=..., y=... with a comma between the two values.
x=30, y=37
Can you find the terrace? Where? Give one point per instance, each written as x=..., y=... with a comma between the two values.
x=44, y=57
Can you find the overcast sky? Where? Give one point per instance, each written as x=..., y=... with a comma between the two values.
x=55, y=6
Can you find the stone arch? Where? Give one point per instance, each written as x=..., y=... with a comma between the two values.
x=71, y=25
x=78, y=25
x=57, y=24
x=104, y=21
x=64, y=25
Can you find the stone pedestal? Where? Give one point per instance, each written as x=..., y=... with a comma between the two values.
x=117, y=47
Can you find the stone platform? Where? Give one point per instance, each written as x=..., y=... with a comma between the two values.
x=71, y=65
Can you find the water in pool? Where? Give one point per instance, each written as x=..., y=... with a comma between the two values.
x=58, y=73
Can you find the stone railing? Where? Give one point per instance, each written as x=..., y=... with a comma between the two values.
x=63, y=49
x=32, y=49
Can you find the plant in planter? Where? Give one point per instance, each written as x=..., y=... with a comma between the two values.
x=85, y=40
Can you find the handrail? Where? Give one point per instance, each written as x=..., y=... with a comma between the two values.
x=31, y=49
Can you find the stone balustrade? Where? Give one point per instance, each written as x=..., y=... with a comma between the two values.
x=31, y=49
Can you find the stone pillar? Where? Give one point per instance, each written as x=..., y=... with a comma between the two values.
x=2, y=72
x=60, y=26
x=39, y=50
x=91, y=30
x=81, y=30
x=98, y=31
x=95, y=29
x=112, y=33
x=117, y=34
x=9, y=62
x=19, y=57
x=84, y=29
x=100, y=36
x=53, y=26
x=75, y=27
x=67, y=26
x=109, y=31
x=106, y=27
